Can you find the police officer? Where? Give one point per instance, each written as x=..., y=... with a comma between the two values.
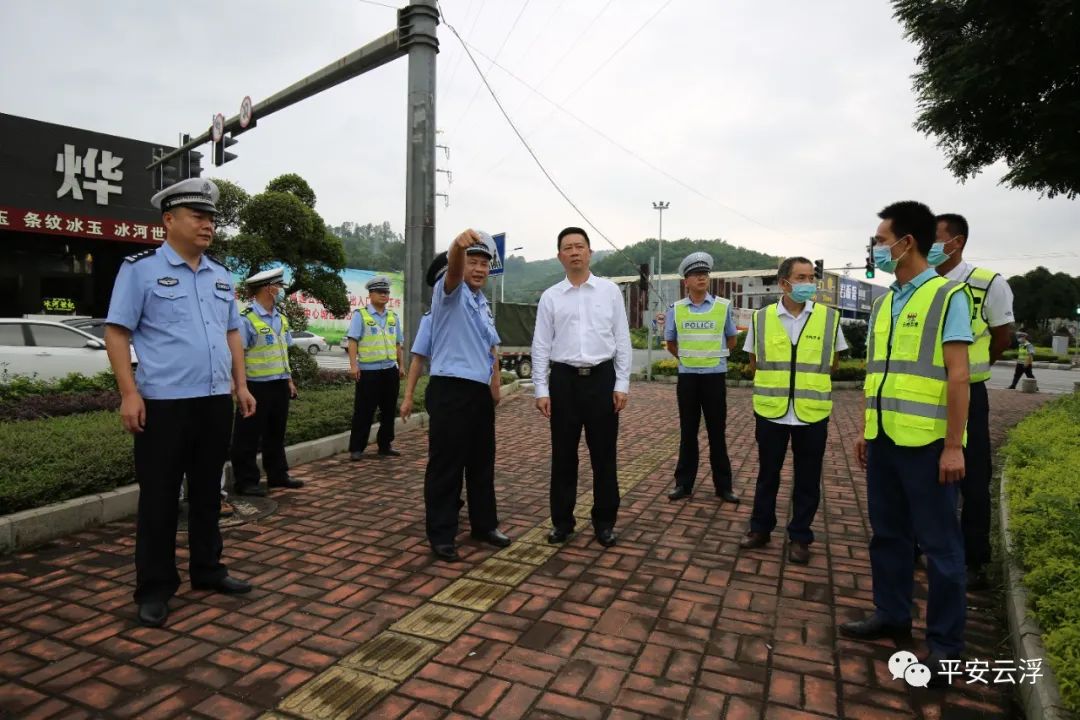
x=176, y=304
x=461, y=398
x=421, y=347
x=991, y=324
x=701, y=333
x=1025, y=355
x=793, y=346
x=912, y=444
x=375, y=360
x=266, y=338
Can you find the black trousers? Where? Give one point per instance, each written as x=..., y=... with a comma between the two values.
x=1021, y=370
x=583, y=401
x=461, y=450
x=181, y=437
x=808, y=450
x=975, y=487
x=376, y=389
x=265, y=431
x=699, y=394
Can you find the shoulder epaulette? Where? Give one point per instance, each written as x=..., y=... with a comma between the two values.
x=219, y=262
x=427, y=313
x=141, y=255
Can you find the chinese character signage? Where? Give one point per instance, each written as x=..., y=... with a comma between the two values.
x=849, y=294
x=66, y=181
x=866, y=297
x=58, y=305
x=827, y=289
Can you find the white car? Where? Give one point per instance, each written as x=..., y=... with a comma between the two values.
x=312, y=343
x=49, y=350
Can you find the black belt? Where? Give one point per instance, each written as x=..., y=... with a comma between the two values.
x=581, y=371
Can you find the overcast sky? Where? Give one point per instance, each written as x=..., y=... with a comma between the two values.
x=783, y=126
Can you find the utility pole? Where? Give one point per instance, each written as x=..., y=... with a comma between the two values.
x=660, y=206
x=650, y=309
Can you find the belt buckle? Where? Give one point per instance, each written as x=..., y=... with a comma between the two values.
x=584, y=371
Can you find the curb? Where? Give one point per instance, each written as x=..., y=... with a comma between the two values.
x=1041, y=700
x=28, y=528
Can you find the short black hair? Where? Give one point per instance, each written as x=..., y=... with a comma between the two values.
x=909, y=217
x=572, y=231
x=788, y=265
x=955, y=224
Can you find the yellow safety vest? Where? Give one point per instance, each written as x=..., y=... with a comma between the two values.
x=270, y=356
x=978, y=281
x=377, y=342
x=810, y=385
x=1022, y=354
x=701, y=335
x=906, y=382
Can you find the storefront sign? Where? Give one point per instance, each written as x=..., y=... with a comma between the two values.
x=83, y=226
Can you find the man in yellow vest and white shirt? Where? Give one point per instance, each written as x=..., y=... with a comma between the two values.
x=701, y=333
x=912, y=443
x=375, y=361
x=991, y=324
x=794, y=346
x=266, y=338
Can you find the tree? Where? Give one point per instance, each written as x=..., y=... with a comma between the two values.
x=372, y=247
x=280, y=225
x=1040, y=296
x=999, y=80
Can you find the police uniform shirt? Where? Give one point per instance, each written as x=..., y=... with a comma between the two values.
x=998, y=303
x=422, y=343
x=357, y=328
x=671, y=334
x=793, y=326
x=462, y=333
x=178, y=320
x=253, y=337
x=957, y=316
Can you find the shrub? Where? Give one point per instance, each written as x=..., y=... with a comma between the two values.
x=670, y=366
x=16, y=387
x=850, y=370
x=304, y=367
x=738, y=355
x=855, y=334
x=1041, y=457
x=58, y=404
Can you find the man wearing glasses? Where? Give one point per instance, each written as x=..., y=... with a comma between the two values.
x=375, y=361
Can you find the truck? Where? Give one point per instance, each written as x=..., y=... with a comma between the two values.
x=515, y=323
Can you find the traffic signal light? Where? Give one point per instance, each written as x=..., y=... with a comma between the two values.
x=819, y=269
x=643, y=277
x=869, y=264
x=191, y=161
x=220, y=156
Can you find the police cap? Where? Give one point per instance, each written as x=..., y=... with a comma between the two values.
x=195, y=193
x=694, y=262
x=275, y=276
x=378, y=283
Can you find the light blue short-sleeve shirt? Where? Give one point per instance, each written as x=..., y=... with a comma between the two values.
x=671, y=334
x=251, y=337
x=356, y=331
x=462, y=334
x=179, y=319
x=957, y=316
x=422, y=344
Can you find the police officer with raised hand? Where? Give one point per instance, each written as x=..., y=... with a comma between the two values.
x=793, y=346
x=266, y=338
x=461, y=398
x=376, y=362
x=700, y=332
x=176, y=304
x=912, y=444
x=991, y=324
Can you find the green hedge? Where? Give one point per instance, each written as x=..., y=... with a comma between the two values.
x=848, y=369
x=46, y=461
x=1041, y=355
x=1042, y=463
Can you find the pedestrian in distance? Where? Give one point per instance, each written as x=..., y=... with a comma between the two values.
x=1025, y=357
x=176, y=305
x=581, y=370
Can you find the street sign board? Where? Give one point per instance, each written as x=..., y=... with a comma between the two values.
x=500, y=254
x=217, y=129
x=245, y=111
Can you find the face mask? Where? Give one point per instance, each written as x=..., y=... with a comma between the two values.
x=883, y=257
x=280, y=296
x=802, y=292
x=937, y=254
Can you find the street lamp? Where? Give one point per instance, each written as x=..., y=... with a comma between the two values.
x=660, y=206
x=502, y=285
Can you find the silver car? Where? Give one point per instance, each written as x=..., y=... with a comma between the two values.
x=314, y=344
x=50, y=350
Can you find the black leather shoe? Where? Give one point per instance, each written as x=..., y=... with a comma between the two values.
x=558, y=537
x=448, y=553
x=798, y=552
x=679, y=493
x=873, y=628
x=289, y=483
x=250, y=490
x=728, y=496
x=976, y=579
x=226, y=586
x=354, y=456
x=390, y=452
x=754, y=540
x=606, y=537
x=493, y=537
x=943, y=668
x=153, y=613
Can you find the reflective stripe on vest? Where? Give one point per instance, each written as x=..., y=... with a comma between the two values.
x=1022, y=354
x=810, y=385
x=377, y=342
x=978, y=281
x=270, y=356
x=906, y=382
x=701, y=335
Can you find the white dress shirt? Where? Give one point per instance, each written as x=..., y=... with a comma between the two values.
x=998, y=305
x=793, y=326
x=581, y=326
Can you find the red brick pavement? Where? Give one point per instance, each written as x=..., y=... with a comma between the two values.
x=675, y=621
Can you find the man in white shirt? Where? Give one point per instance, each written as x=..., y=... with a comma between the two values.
x=794, y=346
x=581, y=370
x=991, y=324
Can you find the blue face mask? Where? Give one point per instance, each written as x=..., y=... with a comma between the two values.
x=280, y=296
x=883, y=257
x=937, y=254
x=802, y=292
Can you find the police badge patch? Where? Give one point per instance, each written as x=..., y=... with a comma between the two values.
x=222, y=285
x=168, y=281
